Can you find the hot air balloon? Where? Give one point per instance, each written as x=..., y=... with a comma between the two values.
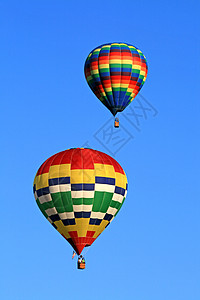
x=80, y=191
x=115, y=73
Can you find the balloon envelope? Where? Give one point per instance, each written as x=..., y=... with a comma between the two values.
x=80, y=191
x=116, y=72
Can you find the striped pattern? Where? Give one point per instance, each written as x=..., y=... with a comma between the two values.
x=116, y=72
x=80, y=191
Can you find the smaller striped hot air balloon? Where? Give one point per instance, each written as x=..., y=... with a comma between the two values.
x=80, y=191
x=115, y=73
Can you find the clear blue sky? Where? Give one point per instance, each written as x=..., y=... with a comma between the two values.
x=151, y=251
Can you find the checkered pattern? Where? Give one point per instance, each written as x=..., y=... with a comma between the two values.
x=80, y=191
x=116, y=72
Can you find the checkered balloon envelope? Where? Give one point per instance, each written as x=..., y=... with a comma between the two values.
x=80, y=191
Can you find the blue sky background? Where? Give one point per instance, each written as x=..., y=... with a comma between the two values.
x=151, y=250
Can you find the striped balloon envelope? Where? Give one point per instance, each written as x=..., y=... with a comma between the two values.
x=115, y=73
x=80, y=191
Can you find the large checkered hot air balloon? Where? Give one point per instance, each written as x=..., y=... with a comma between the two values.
x=115, y=73
x=80, y=191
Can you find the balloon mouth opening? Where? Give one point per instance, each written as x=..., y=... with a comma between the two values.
x=115, y=110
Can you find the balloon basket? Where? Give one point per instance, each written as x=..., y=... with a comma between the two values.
x=116, y=124
x=81, y=265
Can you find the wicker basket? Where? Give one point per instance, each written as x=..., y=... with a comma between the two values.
x=81, y=265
